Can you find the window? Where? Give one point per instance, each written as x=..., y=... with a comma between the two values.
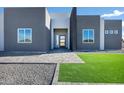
x=106, y=31
x=115, y=31
x=24, y=35
x=111, y=31
x=88, y=35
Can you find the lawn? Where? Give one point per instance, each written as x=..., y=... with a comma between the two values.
x=98, y=68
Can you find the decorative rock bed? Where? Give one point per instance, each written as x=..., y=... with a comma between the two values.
x=26, y=74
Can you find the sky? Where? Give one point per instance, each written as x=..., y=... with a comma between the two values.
x=59, y=9
x=92, y=11
x=105, y=12
x=1, y=10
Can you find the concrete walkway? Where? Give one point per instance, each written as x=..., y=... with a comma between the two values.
x=67, y=57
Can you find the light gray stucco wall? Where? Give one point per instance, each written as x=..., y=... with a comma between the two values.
x=48, y=29
x=26, y=18
x=88, y=22
x=102, y=37
x=113, y=41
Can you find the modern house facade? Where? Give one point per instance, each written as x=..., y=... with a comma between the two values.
x=34, y=29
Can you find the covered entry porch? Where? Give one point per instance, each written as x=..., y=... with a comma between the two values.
x=60, y=31
x=60, y=38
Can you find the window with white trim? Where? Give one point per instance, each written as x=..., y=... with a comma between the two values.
x=111, y=31
x=106, y=31
x=24, y=35
x=88, y=35
x=115, y=31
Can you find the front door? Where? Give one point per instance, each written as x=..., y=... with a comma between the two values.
x=62, y=41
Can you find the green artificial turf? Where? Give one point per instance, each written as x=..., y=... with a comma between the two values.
x=98, y=68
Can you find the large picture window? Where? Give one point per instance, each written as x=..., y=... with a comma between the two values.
x=88, y=35
x=24, y=35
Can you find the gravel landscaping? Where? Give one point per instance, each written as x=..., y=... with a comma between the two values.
x=26, y=74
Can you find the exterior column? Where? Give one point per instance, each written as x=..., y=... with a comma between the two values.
x=101, y=34
x=2, y=32
x=68, y=37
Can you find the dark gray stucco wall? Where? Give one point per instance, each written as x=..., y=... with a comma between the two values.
x=73, y=29
x=113, y=41
x=25, y=18
x=88, y=22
